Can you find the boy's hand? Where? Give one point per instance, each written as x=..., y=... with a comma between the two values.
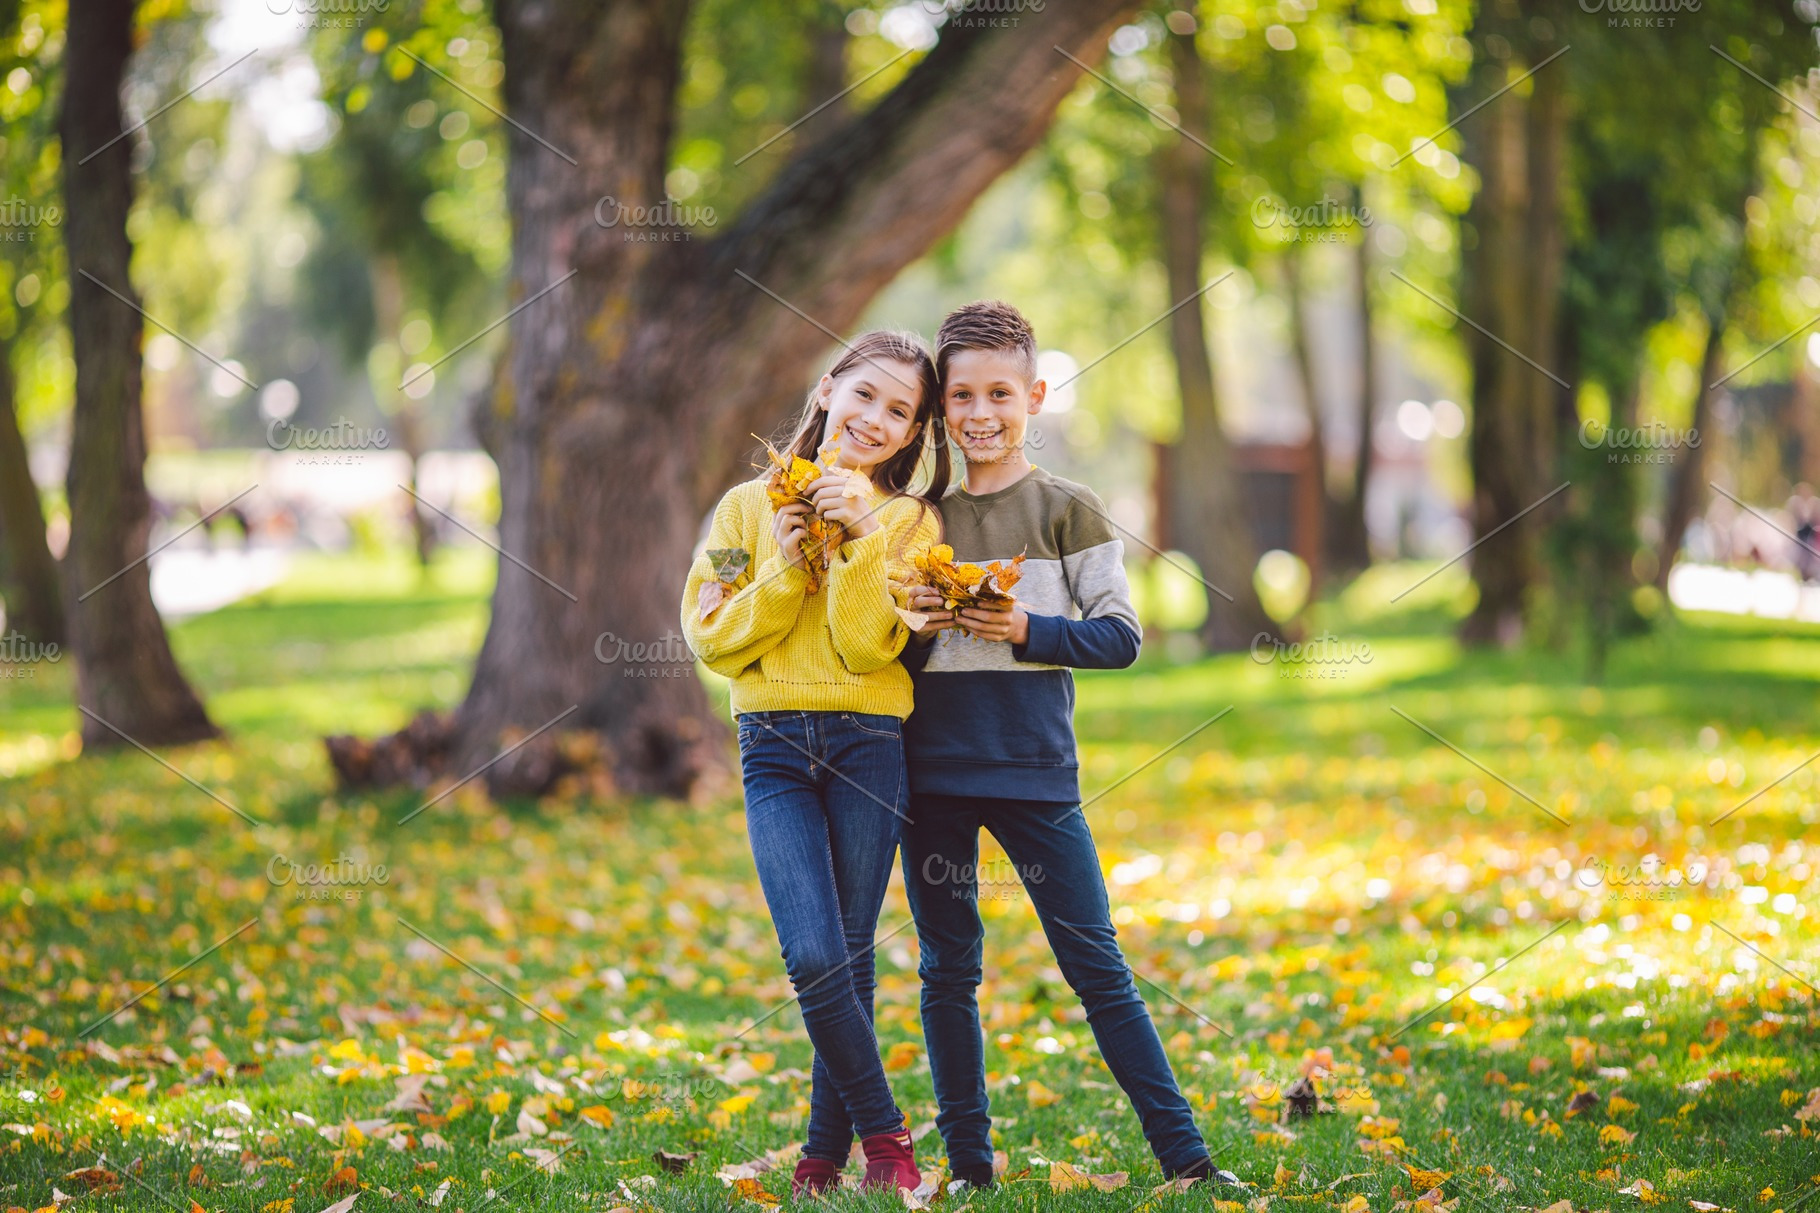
x=787, y=527
x=835, y=501
x=926, y=601
x=1010, y=623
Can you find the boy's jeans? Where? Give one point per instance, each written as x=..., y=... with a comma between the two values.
x=824, y=794
x=1051, y=850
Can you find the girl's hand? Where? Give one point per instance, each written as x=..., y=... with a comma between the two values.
x=789, y=529
x=926, y=601
x=1011, y=623
x=855, y=513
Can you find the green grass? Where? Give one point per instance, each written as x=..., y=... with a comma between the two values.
x=1312, y=871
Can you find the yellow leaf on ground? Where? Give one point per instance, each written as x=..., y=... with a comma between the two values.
x=1424, y=1180
x=1039, y=1095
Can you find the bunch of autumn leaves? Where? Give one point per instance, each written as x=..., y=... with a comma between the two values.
x=959, y=584
x=791, y=476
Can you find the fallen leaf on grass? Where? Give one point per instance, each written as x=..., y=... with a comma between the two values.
x=732, y=1173
x=1065, y=1178
x=752, y=1190
x=1424, y=1180
x=1583, y=1101
x=675, y=1164
x=547, y=1161
x=340, y=1206
x=1644, y=1191
x=95, y=1179
x=343, y=1180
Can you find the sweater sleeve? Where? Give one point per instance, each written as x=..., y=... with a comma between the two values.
x=1107, y=636
x=752, y=622
x=862, y=614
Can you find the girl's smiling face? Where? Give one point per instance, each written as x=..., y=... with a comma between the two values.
x=871, y=411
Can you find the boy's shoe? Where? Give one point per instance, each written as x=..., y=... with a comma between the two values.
x=1203, y=1169
x=979, y=1176
x=814, y=1176
x=891, y=1161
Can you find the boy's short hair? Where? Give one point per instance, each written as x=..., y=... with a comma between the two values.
x=987, y=325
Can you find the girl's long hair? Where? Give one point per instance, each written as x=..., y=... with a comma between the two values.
x=926, y=457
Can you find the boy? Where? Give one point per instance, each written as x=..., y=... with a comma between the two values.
x=991, y=744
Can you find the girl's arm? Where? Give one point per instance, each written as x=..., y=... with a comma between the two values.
x=862, y=608
x=752, y=622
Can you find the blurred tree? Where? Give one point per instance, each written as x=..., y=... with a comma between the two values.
x=396, y=159
x=638, y=364
x=28, y=178
x=1205, y=503
x=1722, y=155
x=1510, y=292
x=127, y=680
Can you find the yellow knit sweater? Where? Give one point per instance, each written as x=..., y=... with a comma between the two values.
x=789, y=650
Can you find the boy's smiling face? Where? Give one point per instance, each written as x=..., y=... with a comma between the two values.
x=988, y=400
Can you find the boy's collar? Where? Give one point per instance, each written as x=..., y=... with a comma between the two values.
x=997, y=493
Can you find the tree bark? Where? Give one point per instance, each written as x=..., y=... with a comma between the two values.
x=1512, y=273
x=1687, y=480
x=406, y=414
x=629, y=389
x=825, y=77
x=1348, y=539
x=1208, y=520
x=127, y=680
x=28, y=571
x=1302, y=349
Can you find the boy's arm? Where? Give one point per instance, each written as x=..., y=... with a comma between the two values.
x=752, y=622
x=862, y=605
x=1108, y=635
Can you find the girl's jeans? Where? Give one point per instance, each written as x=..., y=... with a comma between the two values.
x=825, y=795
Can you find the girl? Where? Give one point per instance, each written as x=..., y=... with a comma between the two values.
x=820, y=700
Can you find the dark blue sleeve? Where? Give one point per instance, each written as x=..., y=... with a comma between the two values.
x=916, y=655
x=1080, y=644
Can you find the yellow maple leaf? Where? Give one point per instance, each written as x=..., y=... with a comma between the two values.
x=1615, y=1135
x=498, y=1101
x=1039, y=1095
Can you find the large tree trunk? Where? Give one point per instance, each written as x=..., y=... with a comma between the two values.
x=1348, y=540
x=630, y=388
x=28, y=572
x=127, y=681
x=1512, y=273
x=1208, y=519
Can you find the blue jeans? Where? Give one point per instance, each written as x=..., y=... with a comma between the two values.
x=825, y=792
x=1051, y=851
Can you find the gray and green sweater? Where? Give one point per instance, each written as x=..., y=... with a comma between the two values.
x=995, y=719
